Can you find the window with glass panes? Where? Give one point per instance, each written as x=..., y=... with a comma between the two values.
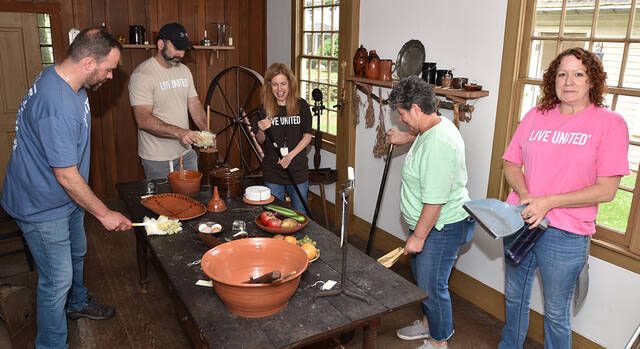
x=318, y=59
x=44, y=32
x=611, y=29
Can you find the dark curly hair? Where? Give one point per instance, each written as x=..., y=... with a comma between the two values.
x=595, y=72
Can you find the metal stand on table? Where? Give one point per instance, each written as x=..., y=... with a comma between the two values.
x=344, y=244
x=320, y=176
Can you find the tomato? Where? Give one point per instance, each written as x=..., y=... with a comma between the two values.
x=265, y=217
x=274, y=223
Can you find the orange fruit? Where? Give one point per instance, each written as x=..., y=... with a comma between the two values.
x=310, y=250
x=281, y=237
x=291, y=239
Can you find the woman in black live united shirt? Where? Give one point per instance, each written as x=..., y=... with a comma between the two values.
x=288, y=119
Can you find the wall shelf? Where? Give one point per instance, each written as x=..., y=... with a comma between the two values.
x=458, y=97
x=217, y=49
x=146, y=47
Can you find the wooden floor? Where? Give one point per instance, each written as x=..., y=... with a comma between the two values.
x=147, y=320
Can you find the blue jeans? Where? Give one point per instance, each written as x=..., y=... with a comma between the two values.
x=58, y=249
x=560, y=256
x=278, y=191
x=160, y=169
x=432, y=268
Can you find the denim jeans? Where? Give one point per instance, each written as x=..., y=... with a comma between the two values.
x=432, y=268
x=560, y=256
x=278, y=191
x=58, y=249
x=160, y=169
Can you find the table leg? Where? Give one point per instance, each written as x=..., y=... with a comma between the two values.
x=370, y=334
x=324, y=206
x=141, y=254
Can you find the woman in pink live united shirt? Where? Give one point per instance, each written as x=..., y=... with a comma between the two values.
x=567, y=156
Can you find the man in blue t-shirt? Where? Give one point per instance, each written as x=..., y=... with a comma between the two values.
x=46, y=190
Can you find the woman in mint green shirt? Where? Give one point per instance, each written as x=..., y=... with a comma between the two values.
x=434, y=176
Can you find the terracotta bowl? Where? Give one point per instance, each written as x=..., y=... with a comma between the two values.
x=472, y=87
x=185, y=182
x=231, y=264
x=282, y=231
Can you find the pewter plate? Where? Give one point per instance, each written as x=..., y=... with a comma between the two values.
x=410, y=59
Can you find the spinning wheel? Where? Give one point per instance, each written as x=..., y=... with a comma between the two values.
x=234, y=99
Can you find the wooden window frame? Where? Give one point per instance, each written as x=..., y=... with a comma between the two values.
x=623, y=251
x=328, y=140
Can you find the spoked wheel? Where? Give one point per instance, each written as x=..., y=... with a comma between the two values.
x=234, y=99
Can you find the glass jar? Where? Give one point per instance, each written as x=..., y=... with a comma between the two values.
x=446, y=80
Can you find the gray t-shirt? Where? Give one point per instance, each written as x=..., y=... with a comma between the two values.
x=167, y=90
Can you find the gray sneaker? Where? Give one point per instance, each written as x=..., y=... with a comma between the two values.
x=413, y=331
x=428, y=345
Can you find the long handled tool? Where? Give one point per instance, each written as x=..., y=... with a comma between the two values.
x=383, y=183
x=286, y=170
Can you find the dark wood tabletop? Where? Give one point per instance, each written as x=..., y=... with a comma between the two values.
x=305, y=320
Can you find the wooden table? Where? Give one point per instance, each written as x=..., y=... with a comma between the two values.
x=305, y=320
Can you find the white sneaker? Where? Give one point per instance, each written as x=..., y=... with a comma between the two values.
x=413, y=331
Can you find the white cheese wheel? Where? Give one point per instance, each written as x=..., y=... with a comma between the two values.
x=257, y=193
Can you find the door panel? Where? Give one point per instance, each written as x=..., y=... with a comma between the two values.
x=19, y=65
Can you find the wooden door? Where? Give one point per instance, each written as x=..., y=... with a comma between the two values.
x=19, y=64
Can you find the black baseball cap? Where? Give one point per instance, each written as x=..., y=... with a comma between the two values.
x=175, y=33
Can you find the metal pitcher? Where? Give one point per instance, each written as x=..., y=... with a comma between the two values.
x=136, y=34
x=222, y=32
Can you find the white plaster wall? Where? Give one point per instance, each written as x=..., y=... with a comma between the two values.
x=278, y=32
x=468, y=35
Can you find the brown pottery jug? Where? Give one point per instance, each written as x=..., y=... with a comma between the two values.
x=385, y=69
x=373, y=66
x=360, y=61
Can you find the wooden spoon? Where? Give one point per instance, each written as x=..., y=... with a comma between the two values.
x=181, y=173
x=265, y=278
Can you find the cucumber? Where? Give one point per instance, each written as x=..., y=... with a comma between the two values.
x=287, y=212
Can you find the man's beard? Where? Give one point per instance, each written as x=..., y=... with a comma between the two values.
x=93, y=83
x=173, y=61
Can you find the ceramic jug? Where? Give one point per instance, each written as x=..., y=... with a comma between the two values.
x=360, y=61
x=385, y=69
x=373, y=66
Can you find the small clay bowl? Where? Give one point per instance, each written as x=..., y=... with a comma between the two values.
x=282, y=231
x=207, y=227
x=472, y=87
x=185, y=182
x=231, y=264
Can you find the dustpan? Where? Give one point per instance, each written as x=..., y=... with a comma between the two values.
x=501, y=220
x=496, y=217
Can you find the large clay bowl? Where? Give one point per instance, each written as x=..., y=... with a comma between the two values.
x=231, y=264
x=185, y=182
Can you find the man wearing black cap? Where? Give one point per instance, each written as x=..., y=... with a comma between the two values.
x=162, y=94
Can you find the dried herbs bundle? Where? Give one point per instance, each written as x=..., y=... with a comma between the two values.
x=381, y=146
x=355, y=105
x=369, y=117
